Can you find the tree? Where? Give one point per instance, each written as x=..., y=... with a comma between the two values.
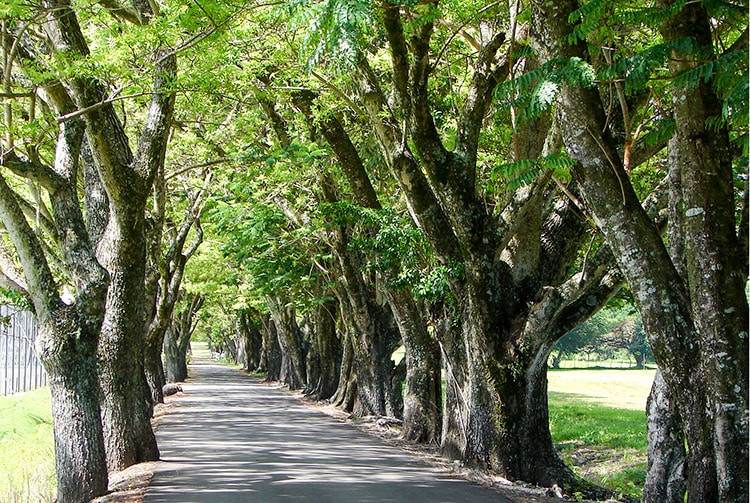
x=177, y=338
x=165, y=273
x=512, y=260
x=103, y=252
x=693, y=302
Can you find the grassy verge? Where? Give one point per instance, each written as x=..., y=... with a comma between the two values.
x=27, y=471
x=598, y=423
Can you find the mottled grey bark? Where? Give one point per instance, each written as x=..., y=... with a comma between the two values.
x=665, y=479
x=127, y=179
x=68, y=334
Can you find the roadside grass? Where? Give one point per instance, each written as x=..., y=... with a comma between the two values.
x=27, y=466
x=598, y=423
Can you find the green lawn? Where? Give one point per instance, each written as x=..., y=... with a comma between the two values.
x=598, y=422
x=27, y=469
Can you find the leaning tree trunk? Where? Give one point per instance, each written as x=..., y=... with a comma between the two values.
x=422, y=395
x=67, y=336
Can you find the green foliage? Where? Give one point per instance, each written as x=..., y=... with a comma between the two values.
x=522, y=172
x=535, y=91
x=333, y=29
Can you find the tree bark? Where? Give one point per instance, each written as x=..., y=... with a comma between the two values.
x=177, y=339
x=127, y=179
x=665, y=476
x=422, y=395
x=270, y=360
x=250, y=338
x=325, y=356
x=68, y=335
x=292, y=372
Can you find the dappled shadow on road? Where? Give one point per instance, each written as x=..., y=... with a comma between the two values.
x=234, y=438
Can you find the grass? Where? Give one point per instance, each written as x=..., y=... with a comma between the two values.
x=27, y=471
x=598, y=423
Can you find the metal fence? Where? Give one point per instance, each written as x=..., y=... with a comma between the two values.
x=20, y=369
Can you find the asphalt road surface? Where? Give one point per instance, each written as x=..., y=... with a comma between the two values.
x=232, y=438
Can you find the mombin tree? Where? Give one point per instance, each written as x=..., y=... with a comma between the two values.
x=691, y=294
x=92, y=347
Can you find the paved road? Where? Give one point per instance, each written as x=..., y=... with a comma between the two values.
x=232, y=438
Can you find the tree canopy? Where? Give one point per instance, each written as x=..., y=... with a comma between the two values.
x=320, y=182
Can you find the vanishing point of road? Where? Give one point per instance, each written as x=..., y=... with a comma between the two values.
x=232, y=438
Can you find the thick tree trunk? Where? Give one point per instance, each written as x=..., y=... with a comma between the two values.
x=325, y=356
x=665, y=480
x=253, y=342
x=126, y=407
x=292, y=372
x=175, y=356
x=270, y=360
x=80, y=459
x=697, y=322
x=374, y=337
x=423, y=395
x=346, y=391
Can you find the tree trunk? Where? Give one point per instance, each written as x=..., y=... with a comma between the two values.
x=665, y=479
x=175, y=357
x=80, y=459
x=126, y=407
x=290, y=341
x=325, y=356
x=249, y=340
x=270, y=360
x=423, y=394
x=696, y=322
x=154, y=369
x=346, y=391
x=177, y=339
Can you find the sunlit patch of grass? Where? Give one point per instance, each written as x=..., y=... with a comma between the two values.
x=27, y=466
x=599, y=425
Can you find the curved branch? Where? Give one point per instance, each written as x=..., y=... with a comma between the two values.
x=486, y=77
x=41, y=283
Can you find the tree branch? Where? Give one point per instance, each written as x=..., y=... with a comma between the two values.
x=41, y=283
